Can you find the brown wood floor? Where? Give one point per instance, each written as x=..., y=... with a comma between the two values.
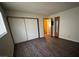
x=47, y=47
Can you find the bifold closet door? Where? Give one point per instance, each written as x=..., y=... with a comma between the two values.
x=32, y=28
x=18, y=30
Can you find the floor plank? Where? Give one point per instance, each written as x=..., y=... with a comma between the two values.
x=47, y=47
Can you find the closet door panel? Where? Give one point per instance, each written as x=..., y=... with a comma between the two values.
x=18, y=29
x=32, y=28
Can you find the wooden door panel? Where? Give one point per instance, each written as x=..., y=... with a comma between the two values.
x=57, y=20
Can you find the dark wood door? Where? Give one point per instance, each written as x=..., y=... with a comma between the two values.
x=57, y=21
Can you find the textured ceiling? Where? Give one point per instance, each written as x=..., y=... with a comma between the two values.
x=42, y=8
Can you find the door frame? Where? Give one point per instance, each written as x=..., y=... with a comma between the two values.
x=51, y=26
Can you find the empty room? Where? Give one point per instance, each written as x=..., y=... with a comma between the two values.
x=39, y=29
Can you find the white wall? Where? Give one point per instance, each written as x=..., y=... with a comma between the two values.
x=6, y=42
x=23, y=14
x=69, y=24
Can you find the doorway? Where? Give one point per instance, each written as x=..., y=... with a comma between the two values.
x=48, y=28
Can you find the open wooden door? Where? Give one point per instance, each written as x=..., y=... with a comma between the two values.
x=57, y=20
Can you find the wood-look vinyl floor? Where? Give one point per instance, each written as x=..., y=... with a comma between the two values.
x=47, y=47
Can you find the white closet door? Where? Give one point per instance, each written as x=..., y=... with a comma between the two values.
x=18, y=29
x=32, y=28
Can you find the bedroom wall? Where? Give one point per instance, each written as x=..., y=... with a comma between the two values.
x=6, y=42
x=69, y=24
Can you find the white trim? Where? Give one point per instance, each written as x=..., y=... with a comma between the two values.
x=3, y=34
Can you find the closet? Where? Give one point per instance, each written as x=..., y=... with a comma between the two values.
x=23, y=29
x=31, y=28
